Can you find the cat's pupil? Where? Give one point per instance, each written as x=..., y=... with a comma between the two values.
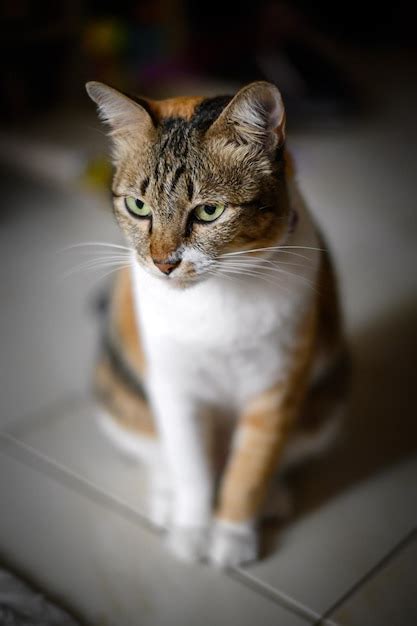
x=139, y=203
x=209, y=209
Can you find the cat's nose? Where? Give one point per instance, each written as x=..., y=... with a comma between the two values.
x=164, y=267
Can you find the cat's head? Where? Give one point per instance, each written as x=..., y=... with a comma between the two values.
x=197, y=178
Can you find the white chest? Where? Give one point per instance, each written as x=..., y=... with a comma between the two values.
x=226, y=339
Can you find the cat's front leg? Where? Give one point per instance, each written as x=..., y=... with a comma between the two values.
x=185, y=446
x=261, y=436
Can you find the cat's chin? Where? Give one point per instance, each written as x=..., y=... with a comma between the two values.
x=180, y=283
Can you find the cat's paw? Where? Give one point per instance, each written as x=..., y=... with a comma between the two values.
x=188, y=543
x=233, y=544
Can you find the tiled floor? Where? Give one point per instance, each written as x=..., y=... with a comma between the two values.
x=72, y=514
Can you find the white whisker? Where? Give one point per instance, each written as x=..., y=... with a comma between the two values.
x=97, y=264
x=103, y=244
x=259, y=262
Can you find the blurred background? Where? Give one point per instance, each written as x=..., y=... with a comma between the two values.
x=347, y=73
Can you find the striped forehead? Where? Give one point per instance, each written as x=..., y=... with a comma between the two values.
x=174, y=165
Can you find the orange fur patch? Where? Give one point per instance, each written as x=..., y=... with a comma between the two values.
x=125, y=406
x=289, y=165
x=123, y=322
x=175, y=107
x=263, y=431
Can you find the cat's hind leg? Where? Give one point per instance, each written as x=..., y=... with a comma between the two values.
x=321, y=421
x=126, y=419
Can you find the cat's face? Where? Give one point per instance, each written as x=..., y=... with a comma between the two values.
x=197, y=178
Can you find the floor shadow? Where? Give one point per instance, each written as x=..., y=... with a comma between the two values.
x=381, y=427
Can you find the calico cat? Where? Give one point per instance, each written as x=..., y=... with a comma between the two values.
x=224, y=358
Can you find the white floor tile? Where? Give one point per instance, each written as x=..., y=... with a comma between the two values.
x=388, y=598
x=48, y=324
x=106, y=565
x=71, y=438
x=319, y=556
x=323, y=554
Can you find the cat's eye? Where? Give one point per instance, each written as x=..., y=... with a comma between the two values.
x=137, y=207
x=209, y=212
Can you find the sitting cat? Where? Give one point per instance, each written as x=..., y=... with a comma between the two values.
x=224, y=359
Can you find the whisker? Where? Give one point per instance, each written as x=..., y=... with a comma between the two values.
x=252, y=273
x=272, y=248
x=233, y=254
x=99, y=260
x=103, y=244
x=111, y=271
x=259, y=262
x=95, y=265
x=278, y=270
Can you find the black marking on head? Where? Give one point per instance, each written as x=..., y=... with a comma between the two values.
x=176, y=135
x=156, y=169
x=190, y=189
x=177, y=175
x=144, y=185
x=176, y=132
x=208, y=111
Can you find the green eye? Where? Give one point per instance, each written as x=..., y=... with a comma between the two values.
x=209, y=212
x=137, y=207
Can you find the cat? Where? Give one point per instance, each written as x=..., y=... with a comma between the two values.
x=224, y=359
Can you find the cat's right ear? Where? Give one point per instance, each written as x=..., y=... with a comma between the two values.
x=123, y=115
x=254, y=117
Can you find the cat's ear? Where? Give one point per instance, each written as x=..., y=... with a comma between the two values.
x=255, y=116
x=122, y=114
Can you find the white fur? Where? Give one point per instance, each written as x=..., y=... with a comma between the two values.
x=147, y=449
x=233, y=544
x=216, y=344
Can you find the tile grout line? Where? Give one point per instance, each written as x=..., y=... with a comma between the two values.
x=61, y=473
x=279, y=597
x=44, y=464
x=64, y=475
x=398, y=547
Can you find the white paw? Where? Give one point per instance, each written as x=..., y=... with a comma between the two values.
x=233, y=544
x=188, y=543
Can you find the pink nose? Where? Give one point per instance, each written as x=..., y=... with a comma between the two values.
x=165, y=268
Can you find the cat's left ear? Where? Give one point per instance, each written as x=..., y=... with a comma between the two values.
x=255, y=116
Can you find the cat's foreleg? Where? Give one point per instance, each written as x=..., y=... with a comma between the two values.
x=182, y=433
x=262, y=432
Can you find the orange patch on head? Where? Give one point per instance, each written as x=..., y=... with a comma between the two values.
x=175, y=107
x=289, y=165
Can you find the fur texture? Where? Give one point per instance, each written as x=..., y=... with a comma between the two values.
x=224, y=348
